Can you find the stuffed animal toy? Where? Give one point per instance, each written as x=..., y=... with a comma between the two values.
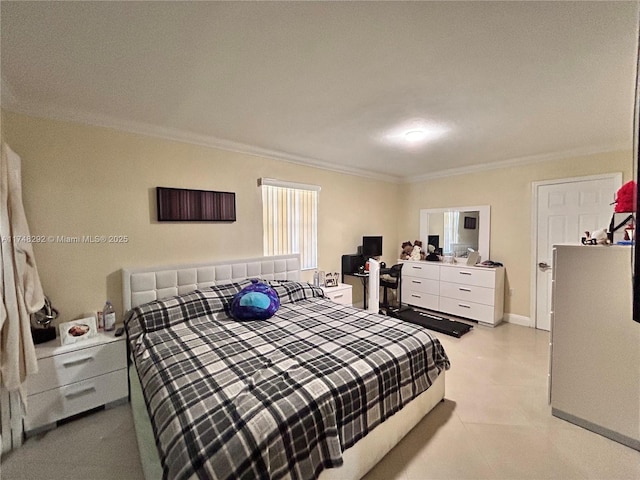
x=418, y=243
x=626, y=198
x=416, y=254
x=432, y=257
x=597, y=237
x=407, y=248
x=257, y=301
x=600, y=236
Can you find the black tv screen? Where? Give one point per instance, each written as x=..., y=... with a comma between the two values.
x=182, y=205
x=371, y=247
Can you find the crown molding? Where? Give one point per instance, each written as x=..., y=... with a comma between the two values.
x=10, y=102
x=65, y=114
x=517, y=162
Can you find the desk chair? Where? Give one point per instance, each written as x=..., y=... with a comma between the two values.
x=395, y=272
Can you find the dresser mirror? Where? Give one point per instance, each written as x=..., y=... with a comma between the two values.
x=457, y=229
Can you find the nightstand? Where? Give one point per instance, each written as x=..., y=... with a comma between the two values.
x=340, y=294
x=75, y=378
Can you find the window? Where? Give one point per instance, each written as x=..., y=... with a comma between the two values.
x=290, y=220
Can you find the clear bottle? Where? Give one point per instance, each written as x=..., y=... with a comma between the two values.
x=109, y=316
x=316, y=278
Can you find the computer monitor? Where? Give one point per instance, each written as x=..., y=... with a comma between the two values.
x=371, y=247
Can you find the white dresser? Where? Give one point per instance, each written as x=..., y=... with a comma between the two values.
x=75, y=378
x=343, y=293
x=476, y=293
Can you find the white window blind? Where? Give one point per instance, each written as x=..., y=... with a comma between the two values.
x=290, y=220
x=451, y=224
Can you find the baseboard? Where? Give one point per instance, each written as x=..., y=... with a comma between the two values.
x=605, y=432
x=518, y=320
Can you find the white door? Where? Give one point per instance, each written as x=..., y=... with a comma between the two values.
x=564, y=210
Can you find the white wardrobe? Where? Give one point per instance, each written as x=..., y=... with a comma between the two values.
x=595, y=344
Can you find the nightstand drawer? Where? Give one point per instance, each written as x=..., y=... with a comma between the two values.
x=341, y=294
x=77, y=365
x=50, y=406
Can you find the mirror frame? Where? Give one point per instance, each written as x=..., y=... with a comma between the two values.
x=484, y=225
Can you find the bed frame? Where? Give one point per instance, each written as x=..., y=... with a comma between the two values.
x=142, y=285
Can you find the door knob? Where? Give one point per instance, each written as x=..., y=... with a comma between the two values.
x=544, y=265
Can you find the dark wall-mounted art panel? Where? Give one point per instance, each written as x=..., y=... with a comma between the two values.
x=182, y=205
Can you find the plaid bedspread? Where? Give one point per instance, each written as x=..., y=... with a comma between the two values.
x=271, y=399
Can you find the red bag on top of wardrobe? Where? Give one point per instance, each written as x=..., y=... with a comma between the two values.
x=626, y=198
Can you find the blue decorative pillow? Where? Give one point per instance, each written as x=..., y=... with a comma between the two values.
x=257, y=301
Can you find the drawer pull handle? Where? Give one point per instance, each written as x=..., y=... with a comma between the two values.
x=82, y=391
x=465, y=273
x=415, y=296
x=417, y=268
x=339, y=296
x=464, y=306
x=77, y=361
x=464, y=289
x=415, y=281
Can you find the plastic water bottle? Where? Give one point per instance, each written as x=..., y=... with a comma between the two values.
x=316, y=279
x=109, y=316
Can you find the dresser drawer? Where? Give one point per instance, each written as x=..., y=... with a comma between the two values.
x=423, y=285
x=468, y=293
x=77, y=365
x=420, y=299
x=474, y=311
x=469, y=276
x=421, y=270
x=341, y=294
x=48, y=407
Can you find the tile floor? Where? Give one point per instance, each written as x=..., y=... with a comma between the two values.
x=494, y=424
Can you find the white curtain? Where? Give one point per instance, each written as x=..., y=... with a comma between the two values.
x=20, y=288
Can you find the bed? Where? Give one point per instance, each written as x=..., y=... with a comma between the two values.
x=319, y=390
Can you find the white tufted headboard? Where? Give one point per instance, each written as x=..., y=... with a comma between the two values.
x=142, y=285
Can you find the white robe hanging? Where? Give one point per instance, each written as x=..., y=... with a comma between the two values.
x=20, y=284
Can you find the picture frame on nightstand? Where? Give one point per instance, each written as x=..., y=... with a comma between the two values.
x=77, y=330
x=331, y=279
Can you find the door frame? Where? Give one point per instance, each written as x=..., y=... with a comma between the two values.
x=533, y=297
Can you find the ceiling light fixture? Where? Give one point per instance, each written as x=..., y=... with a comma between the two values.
x=415, y=135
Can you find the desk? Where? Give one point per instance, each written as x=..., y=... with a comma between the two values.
x=364, y=278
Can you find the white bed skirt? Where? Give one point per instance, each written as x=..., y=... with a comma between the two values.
x=358, y=460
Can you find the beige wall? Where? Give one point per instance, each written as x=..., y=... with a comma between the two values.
x=509, y=192
x=83, y=180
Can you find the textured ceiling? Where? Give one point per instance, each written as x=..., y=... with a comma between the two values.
x=335, y=83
